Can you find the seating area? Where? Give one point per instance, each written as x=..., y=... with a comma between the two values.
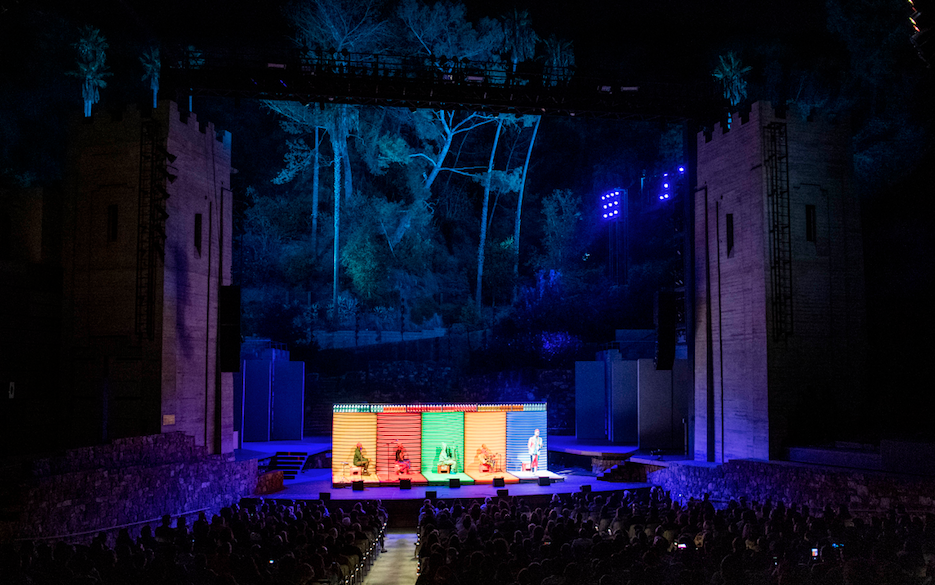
x=253, y=543
x=622, y=538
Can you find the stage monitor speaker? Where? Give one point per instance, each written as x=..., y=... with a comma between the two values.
x=586, y=488
x=357, y=486
x=454, y=482
x=545, y=481
x=229, y=328
x=503, y=493
x=405, y=484
x=324, y=496
x=664, y=317
x=499, y=482
x=431, y=494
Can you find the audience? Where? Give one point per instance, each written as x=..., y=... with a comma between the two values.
x=624, y=539
x=257, y=543
x=617, y=538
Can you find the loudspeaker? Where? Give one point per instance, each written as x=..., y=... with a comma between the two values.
x=431, y=494
x=405, y=484
x=586, y=488
x=498, y=482
x=324, y=496
x=664, y=316
x=357, y=486
x=454, y=482
x=545, y=481
x=229, y=328
x=503, y=493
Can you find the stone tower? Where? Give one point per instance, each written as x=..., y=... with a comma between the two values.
x=146, y=254
x=779, y=326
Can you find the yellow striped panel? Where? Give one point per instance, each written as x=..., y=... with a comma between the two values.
x=349, y=428
x=483, y=428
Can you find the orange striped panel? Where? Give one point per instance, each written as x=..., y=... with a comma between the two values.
x=349, y=428
x=407, y=428
x=483, y=428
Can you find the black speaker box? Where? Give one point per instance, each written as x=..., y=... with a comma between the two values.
x=405, y=484
x=454, y=482
x=503, y=493
x=498, y=482
x=664, y=316
x=545, y=481
x=357, y=486
x=324, y=496
x=586, y=488
x=431, y=494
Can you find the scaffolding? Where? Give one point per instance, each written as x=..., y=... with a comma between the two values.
x=151, y=232
x=776, y=163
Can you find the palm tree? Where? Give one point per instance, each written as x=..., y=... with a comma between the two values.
x=151, y=66
x=519, y=40
x=731, y=72
x=92, y=68
x=560, y=60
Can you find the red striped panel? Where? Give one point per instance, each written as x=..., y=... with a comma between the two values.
x=407, y=428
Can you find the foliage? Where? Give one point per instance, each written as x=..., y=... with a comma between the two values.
x=561, y=212
x=151, y=67
x=92, y=66
x=731, y=73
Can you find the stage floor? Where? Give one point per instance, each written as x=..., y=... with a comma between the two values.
x=312, y=483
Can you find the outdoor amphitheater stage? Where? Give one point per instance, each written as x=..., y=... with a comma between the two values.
x=313, y=483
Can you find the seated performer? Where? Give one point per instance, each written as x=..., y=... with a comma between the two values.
x=486, y=458
x=403, y=465
x=534, y=445
x=360, y=460
x=445, y=457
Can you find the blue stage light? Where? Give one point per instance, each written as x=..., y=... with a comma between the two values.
x=681, y=169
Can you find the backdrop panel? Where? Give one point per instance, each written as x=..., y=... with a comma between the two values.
x=519, y=427
x=439, y=427
x=407, y=428
x=349, y=428
x=483, y=428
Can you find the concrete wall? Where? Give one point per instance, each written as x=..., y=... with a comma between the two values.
x=757, y=387
x=589, y=400
x=664, y=401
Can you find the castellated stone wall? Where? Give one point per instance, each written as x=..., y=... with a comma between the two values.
x=752, y=385
x=129, y=482
x=118, y=382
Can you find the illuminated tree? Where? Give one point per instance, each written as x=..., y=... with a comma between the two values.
x=151, y=67
x=731, y=73
x=519, y=39
x=519, y=200
x=92, y=66
x=559, y=61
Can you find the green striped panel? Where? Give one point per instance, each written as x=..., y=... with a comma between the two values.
x=438, y=427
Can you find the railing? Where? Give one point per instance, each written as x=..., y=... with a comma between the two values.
x=420, y=81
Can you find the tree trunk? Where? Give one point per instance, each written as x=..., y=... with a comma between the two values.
x=315, y=174
x=336, y=147
x=483, y=220
x=437, y=167
x=519, y=207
